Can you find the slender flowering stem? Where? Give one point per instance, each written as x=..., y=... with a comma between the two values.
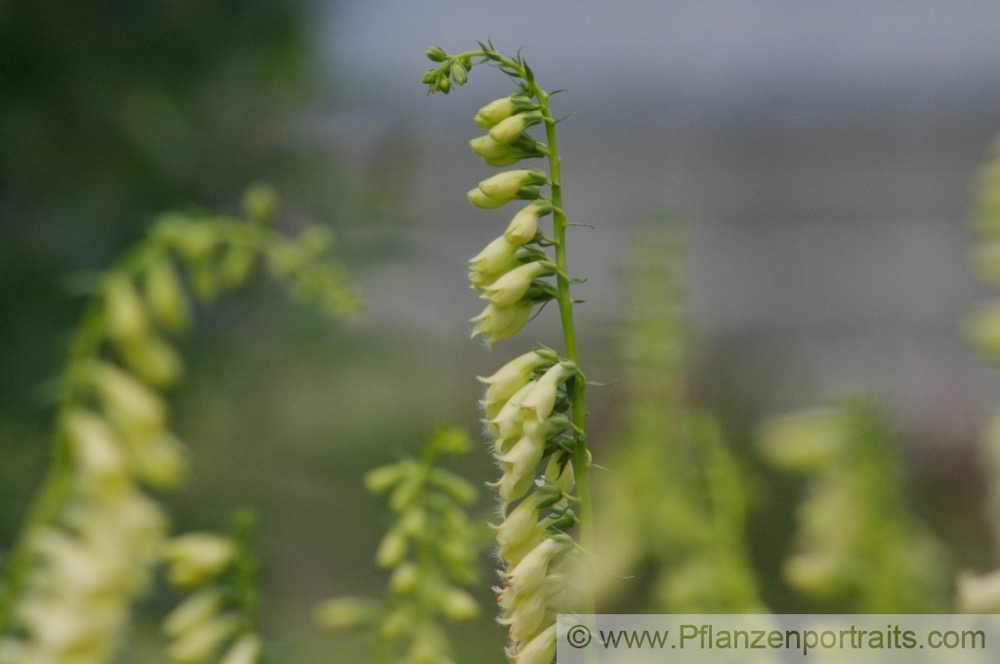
x=527, y=398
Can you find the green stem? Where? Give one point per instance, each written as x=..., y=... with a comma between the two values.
x=581, y=457
x=57, y=482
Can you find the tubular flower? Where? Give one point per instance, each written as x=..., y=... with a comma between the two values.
x=510, y=378
x=510, y=129
x=504, y=187
x=512, y=286
x=498, y=257
x=498, y=110
x=524, y=225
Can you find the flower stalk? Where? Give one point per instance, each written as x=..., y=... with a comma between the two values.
x=536, y=405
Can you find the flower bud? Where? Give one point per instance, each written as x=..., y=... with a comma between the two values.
x=194, y=610
x=521, y=523
x=524, y=225
x=96, y=449
x=383, y=478
x=160, y=460
x=504, y=186
x=199, y=644
x=436, y=54
x=540, y=650
x=983, y=328
x=244, y=650
x=346, y=613
x=527, y=576
x=165, y=296
x=512, y=286
x=462, y=491
x=559, y=473
x=459, y=73
x=495, y=111
x=527, y=617
x=520, y=462
x=510, y=129
x=392, y=549
x=508, y=380
x=497, y=257
x=397, y=624
x=482, y=201
x=542, y=398
x=495, y=154
x=405, y=578
x=136, y=410
x=125, y=313
x=260, y=202
x=153, y=359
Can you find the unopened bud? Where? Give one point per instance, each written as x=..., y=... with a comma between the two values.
x=502, y=322
x=392, y=549
x=495, y=111
x=125, y=314
x=436, y=54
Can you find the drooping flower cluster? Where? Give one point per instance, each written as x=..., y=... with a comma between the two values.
x=88, y=560
x=217, y=615
x=534, y=408
x=94, y=532
x=525, y=407
x=430, y=548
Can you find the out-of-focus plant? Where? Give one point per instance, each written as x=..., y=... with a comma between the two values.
x=982, y=593
x=95, y=529
x=858, y=545
x=535, y=405
x=431, y=548
x=222, y=609
x=673, y=506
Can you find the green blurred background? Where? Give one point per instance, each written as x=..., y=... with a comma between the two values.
x=819, y=159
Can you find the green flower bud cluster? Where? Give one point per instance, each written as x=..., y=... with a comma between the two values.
x=94, y=532
x=854, y=524
x=431, y=551
x=219, y=614
x=451, y=70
